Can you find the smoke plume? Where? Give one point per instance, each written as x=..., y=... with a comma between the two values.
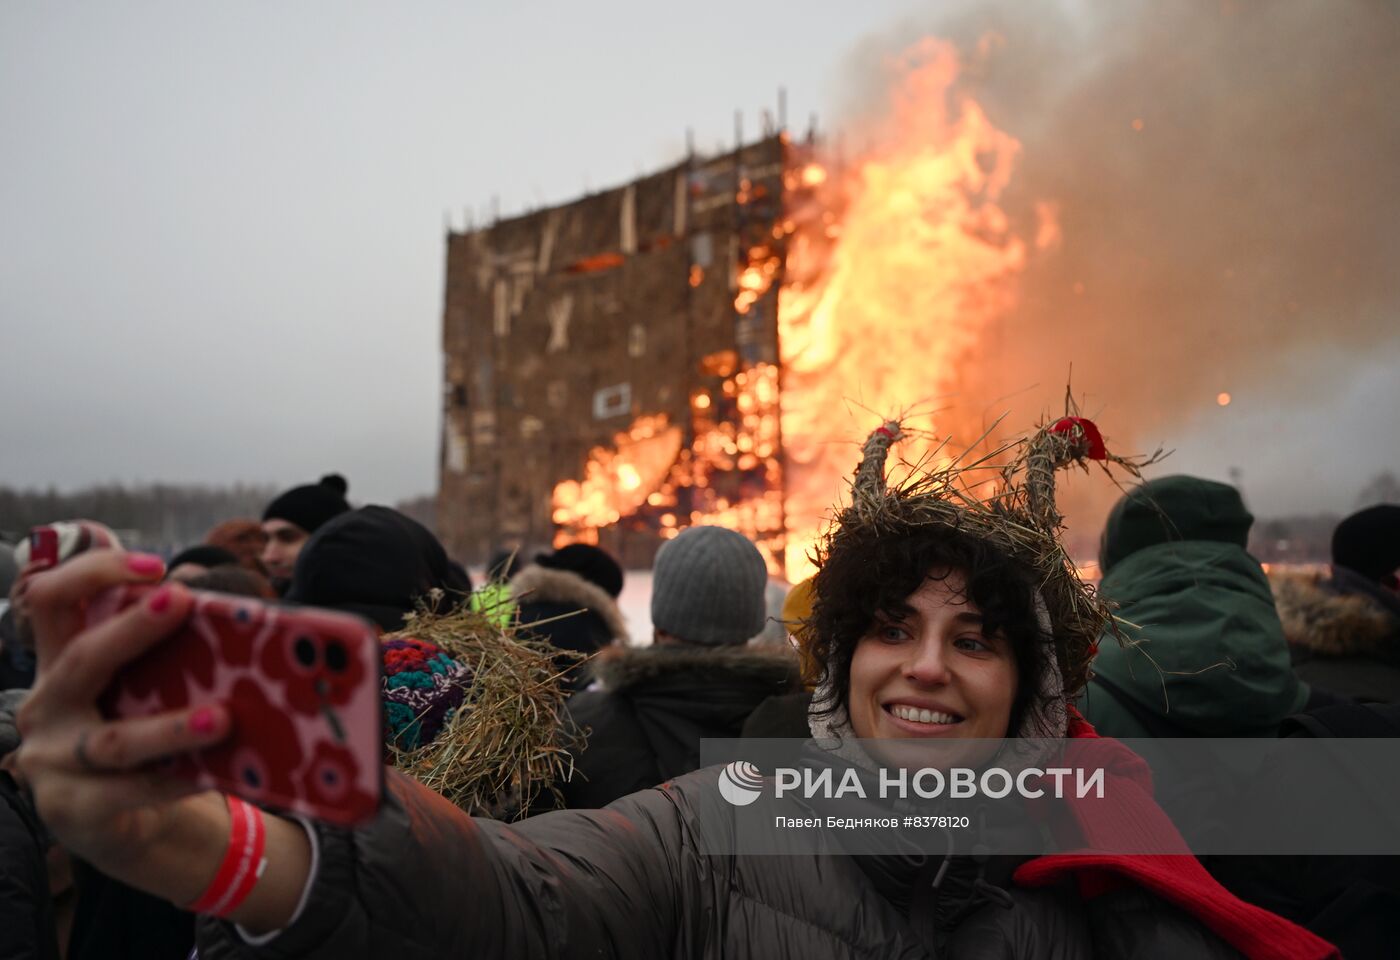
x=1226, y=183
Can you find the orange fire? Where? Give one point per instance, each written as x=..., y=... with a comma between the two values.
x=879, y=312
x=616, y=481
x=756, y=277
x=728, y=476
x=897, y=266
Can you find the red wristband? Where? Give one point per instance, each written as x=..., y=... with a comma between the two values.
x=242, y=865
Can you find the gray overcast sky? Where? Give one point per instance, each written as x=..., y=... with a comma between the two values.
x=221, y=225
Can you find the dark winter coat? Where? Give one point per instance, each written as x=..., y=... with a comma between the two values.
x=1352, y=901
x=1206, y=655
x=16, y=663
x=654, y=706
x=570, y=612
x=26, y=909
x=113, y=921
x=1344, y=634
x=780, y=717
x=630, y=882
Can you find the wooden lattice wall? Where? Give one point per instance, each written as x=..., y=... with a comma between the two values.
x=563, y=326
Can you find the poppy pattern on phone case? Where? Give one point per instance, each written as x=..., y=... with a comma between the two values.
x=302, y=686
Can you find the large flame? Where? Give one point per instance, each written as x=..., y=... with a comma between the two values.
x=893, y=276
x=897, y=265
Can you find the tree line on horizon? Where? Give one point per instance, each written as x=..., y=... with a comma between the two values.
x=167, y=517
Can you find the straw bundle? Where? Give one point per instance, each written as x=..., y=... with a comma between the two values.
x=510, y=740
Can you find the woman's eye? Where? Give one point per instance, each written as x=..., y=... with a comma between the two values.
x=891, y=633
x=974, y=644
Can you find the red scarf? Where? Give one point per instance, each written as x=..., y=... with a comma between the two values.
x=1132, y=819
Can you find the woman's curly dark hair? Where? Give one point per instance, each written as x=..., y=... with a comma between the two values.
x=869, y=570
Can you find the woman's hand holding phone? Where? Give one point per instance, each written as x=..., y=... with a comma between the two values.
x=92, y=778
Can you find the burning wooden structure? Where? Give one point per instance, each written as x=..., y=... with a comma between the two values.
x=711, y=343
x=612, y=366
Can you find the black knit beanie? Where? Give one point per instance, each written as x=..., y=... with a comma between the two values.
x=1369, y=542
x=312, y=505
x=589, y=562
x=375, y=562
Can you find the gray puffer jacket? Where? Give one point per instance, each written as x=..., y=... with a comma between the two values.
x=426, y=881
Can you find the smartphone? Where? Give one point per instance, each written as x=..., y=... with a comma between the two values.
x=43, y=546
x=303, y=687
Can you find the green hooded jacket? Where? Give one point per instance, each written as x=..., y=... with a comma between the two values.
x=1211, y=658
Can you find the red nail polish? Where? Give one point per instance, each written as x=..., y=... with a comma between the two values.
x=202, y=720
x=159, y=601
x=144, y=564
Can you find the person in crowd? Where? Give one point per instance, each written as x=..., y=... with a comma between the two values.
x=1205, y=654
x=197, y=561
x=1350, y=900
x=569, y=597
x=234, y=579
x=774, y=632
x=8, y=571
x=494, y=598
x=214, y=568
x=377, y=563
x=1344, y=629
x=291, y=519
x=784, y=715
x=27, y=924
x=110, y=919
x=653, y=705
x=923, y=606
x=243, y=538
x=16, y=638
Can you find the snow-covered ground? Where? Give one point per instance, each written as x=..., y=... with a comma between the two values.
x=635, y=602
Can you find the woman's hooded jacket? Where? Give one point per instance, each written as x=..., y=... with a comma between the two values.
x=424, y=880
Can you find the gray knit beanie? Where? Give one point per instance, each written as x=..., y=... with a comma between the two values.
x=707, y=587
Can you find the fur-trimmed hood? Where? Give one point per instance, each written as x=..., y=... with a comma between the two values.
x=536, y=583
x=653, y=706
x=621, y=668
x=1320, y=618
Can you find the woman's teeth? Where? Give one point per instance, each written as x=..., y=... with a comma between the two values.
x=917, y=715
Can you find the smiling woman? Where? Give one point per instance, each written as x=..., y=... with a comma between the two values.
x=924, y=619
x=934, y=669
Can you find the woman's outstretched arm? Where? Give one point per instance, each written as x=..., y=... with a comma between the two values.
x=421, y=880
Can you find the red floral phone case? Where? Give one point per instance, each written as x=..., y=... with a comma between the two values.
x=303, y=689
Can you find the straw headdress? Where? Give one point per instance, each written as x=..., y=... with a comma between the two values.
x=1011, y=507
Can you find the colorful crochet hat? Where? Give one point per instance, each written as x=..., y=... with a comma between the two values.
x=423, y=687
